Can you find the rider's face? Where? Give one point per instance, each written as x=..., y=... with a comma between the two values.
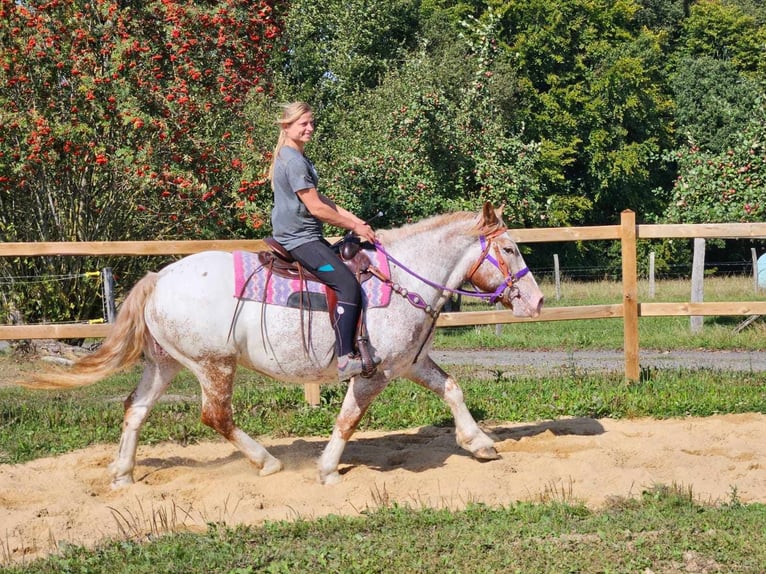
x=301, y=130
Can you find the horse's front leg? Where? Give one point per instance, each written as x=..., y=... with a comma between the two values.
x=469, y=436
x=359, y=395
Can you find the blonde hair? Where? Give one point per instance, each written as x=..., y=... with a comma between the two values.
x=290, y=113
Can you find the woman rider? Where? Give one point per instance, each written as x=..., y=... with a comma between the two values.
x=297, y=218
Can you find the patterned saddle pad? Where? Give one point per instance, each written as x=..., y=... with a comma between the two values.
x=253, y=281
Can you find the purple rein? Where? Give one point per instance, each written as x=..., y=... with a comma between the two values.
x=417, y=301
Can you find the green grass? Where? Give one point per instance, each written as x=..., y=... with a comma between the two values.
x=663, y=531
x=41, y=423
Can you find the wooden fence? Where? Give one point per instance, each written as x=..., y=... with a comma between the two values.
x=627, y=233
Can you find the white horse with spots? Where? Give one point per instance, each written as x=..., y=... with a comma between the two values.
x=186, y=315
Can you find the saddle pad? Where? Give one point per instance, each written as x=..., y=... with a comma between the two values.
x=254, y=282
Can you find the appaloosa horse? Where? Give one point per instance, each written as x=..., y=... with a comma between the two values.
x=189, y=315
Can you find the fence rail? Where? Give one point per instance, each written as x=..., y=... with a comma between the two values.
x=630, y=310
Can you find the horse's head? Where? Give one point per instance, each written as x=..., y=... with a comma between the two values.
x=501, y=270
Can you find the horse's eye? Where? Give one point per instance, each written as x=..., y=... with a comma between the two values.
x=509, y=250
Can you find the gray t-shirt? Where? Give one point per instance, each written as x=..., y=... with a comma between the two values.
x=293, y=225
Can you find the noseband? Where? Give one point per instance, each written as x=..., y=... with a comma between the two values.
x=486, y=245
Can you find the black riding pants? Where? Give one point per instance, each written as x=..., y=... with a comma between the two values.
x=319, y=258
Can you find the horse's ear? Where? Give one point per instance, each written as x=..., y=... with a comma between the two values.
x=489, y=216
x=499, y=211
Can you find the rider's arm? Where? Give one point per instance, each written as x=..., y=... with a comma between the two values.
x=324, y=209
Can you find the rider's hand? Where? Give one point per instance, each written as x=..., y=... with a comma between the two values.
x=364, y=231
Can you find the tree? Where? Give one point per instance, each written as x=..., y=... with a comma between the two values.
x=592, y=95
x=724, y=31
x=431, y=138
x=337, y=48
x=662, y=15
x=723, y=186
x=117, y=123
x=713, y=100
x=720, y=111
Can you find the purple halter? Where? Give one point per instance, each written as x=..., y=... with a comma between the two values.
x=509, y=279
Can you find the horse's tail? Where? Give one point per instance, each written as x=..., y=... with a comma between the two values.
x=121, y=349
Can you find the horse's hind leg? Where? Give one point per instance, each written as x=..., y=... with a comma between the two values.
x=217, y=380
x=469, y=436
x=359, y=395
x=158, y=373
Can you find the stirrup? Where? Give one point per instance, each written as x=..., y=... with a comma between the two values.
x=350, y=366
x=369, y=362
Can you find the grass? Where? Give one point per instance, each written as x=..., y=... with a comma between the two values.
x=664, y=529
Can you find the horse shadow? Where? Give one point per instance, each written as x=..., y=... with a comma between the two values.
x=427, y=448
x=430, y=446
x=156, y=464
x=578, y=426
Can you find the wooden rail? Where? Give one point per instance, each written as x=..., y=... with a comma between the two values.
x=630, y=310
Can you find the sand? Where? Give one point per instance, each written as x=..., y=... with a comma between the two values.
x=68, y=499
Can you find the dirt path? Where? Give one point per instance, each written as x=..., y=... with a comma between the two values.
x=541, y=361
x=68, y=498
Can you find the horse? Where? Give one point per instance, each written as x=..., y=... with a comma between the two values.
x=188, y=315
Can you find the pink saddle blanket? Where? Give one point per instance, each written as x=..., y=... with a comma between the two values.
x=252, y=281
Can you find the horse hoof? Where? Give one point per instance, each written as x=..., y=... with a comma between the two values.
x=330, y=479
x=272, y=466
x=121, y=482
x=486, y=453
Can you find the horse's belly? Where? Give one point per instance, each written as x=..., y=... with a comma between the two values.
x=288, y=344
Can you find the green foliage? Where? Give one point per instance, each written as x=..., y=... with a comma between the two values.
x=116, y=123
x=591, y=83
x=725, y=31
x=426, y=142
x=340, y=47
x=724, y=186
x=713, y=101
x=661, y=15
x=156, y=120
x=720, y=112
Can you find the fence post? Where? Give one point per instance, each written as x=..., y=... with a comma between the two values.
x=651, y=275
x=629, y=293
x=698, y=277
x=312, y=393
x=557, y=275
x=108, y=281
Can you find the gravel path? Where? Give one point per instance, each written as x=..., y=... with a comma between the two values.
x=537, y=361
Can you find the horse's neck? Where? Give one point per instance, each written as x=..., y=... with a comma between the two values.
x=438, y=254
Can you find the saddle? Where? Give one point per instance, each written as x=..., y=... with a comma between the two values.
x=277, y=260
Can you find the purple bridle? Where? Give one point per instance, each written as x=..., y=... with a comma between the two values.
x=418, y=301
x=510, y=278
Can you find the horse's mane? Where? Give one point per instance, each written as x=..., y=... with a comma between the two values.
x=433, y=223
